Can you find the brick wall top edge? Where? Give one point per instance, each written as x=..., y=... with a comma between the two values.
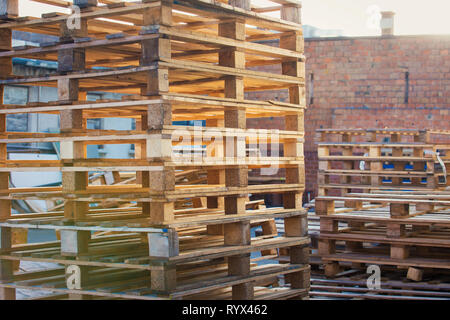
x=419, y=36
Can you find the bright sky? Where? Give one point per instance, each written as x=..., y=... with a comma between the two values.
x=354, y=17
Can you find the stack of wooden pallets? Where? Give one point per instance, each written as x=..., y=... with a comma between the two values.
x=352, y=284
x=392, y=203
x=190, y=60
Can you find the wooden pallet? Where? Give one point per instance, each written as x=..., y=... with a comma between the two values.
x=371, y=135
x=172, y=61
x=373, y=237
x=410, y=279
x=352, y=285
x=125, y=264
x=402, y=222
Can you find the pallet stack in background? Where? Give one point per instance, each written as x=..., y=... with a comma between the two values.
x=189, y=61
x=383, y=200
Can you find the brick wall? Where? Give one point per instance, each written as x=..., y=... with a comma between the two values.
x=363, y=83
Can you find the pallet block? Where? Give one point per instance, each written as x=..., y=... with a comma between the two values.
x=396, y=215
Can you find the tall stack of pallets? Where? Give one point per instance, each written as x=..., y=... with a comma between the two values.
x=392, y=204
x=190, y=60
